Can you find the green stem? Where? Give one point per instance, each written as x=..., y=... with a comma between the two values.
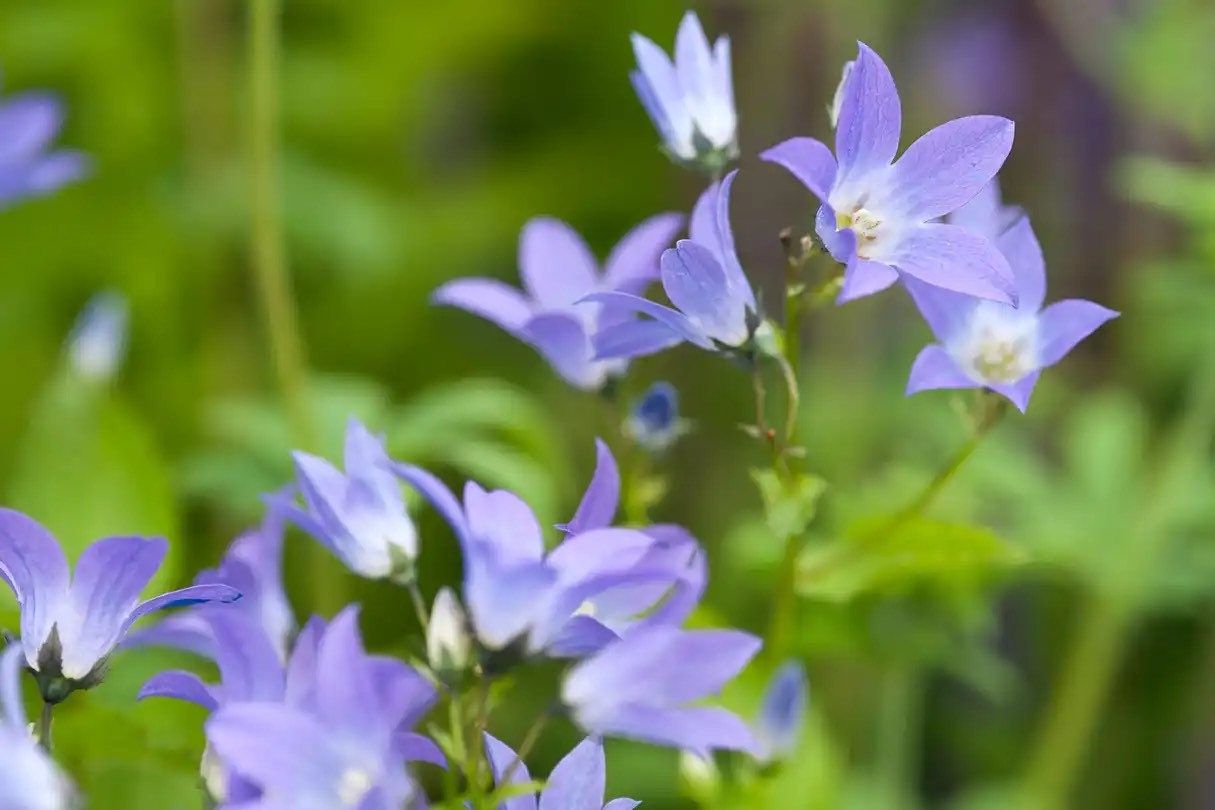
x=529, y=742
x=419, y=605
x=44, y=726
x=900, y=715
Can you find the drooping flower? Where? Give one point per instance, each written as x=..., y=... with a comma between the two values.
x=578, y=782
x=690, y=99
x=715, y=307
x=359, y=515
x=558, y=269
x=29, y=779
x=71, y=623
x=654, y=422
x=572, y=600
x=877, y=214
x=985, y=344
x=99, y=338
x=782, y=716
x=28, y=167
x=253, y=564
x=643, y=686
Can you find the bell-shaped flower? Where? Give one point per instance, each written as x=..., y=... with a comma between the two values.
x=71, y=623
x=878, y=215
x=558, y=269
x=643, y=687
x=782, y=715
x=360, y=514
x=654, y=422
x=690, y=99
x=99, y=338
x=29, y=778
x=448, y=645
x=715, y=307
x=29, y=123
x=522, y=598
x=985, y=344
x=578, y=782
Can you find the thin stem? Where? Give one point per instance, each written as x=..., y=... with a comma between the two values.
x=44, y=726
x=419, y=604
x=782, y=626
x=900, y=713
x=529, y=742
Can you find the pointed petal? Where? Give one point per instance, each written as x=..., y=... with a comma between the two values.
x=782, y=714
x=438, y=496
x=602, y=496
x=946, y=313
x=12, y=705
x=955, y=259
x=677, y=321
x=489, y=298
x=808, y=160
x=501, y=759
x=948, y=166
x=710, y=228
x=841, y=244
x=29, y=122
x=249, y=665
x=563, y=341
x=579, y=637
x=697, y=284
x=986, y=213
x=504, y=601
x=634, y=338
x=414, y=747
x=662, y=96
x=179, y=685
x=863, y=277
x=622, y=804
x=633, y=263
x=556, y=265
x=184, y=597
x=871, y=116
x=1018, y=393
x=1020, y=246
x=33, y=565
x=578, y=780
x=505, y=522
x=934, y=369
x=1064, y=324
x=700, y=730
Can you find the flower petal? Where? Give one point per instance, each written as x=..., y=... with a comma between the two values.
x=863, y=277
x=12, y=705
x=183, y=597
x=1064, y=324
x=677, y=321
x=633, y=263
x=697, y=284
x=505, y=522
x=33, y=565
x=29, y=122
x=657, y=85
x=501, y=759
x=556, y=265
x=602, y=496
x=945, y=312
x=579, y=779
x=1018, y=393
x=1020, y=246
x=441, y=499
x=179, y=685
x=700, y=730
x=871, y=116
x=634, y=338
x=948, y=166
x=986, y=213
x=489, y=298
x=563, y=341
x=953, y=258
x=934, y=369
x=414, y=747
x=807, y=159
x=710, y=228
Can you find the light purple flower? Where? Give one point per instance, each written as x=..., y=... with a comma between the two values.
x=71, y=624
x=877, y=215
x=715, y=307
x=691, y=99
x=329, y=730
x=985, y=344
x=577, y=783
x=359, y=515
x=782, y=716
x=576, y=598
x=643, y=686
x=28, y=124
x=99, y=338
x=558, y=269
x=29, y=779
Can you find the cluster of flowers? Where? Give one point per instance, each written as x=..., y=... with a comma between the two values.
x=309, y=719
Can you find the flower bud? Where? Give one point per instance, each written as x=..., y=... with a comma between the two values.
x=448, y=647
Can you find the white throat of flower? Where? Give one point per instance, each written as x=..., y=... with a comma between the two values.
x=998, y=345
x=865, y=224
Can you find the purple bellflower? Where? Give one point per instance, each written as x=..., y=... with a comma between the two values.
x=715, y=307
x=877, y=214
x=577, y=783
x=28, y=124
x=360, y=514
x=640, y=687
x=985, y=344
x=577, y=597
x=654, y=423
x=559, y=269
x=691, y=99
x=782, y=715
x=29, y=779
x=71, y=623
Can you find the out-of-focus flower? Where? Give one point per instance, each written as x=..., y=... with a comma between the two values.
x=98, y=340
x=715, y=306
x=28, y=167
x=877, y=215
x=782, y=716
x=577, y=783
x=654, y=423
x=359, y=515
x=558, y=269
x=642, y=687
x=985, y=344
x=448, y=647
x=29, y=779
x=71, y=624
x=690, y=99
x=577, y=597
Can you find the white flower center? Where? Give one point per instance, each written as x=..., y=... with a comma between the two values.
x=1000, y=346
x=353, y=786
x=865, y=224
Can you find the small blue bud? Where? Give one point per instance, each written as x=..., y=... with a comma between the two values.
x=654, y=422
x=778, y=728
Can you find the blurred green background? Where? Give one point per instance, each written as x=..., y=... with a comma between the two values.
x=1075, y=636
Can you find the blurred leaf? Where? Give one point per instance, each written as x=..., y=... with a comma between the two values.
x=789, y=506
x=88, y=468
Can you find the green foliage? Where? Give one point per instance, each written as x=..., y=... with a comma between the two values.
x=789, y=502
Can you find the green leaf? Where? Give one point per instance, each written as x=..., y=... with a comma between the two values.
x=789, y=505
x=88, y=467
